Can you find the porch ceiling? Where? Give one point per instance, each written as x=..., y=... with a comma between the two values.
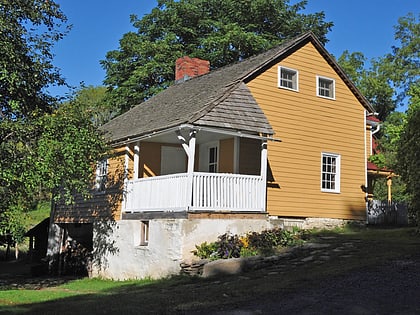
x=202, y=136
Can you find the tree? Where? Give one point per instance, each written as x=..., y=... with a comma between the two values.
x=221, y=31
x=93, y=100
x=402, y=66
x=66, y=151
x=373, y=82
x=43, y=145
x=29, y=29
x=409, y=152
x=388, y=79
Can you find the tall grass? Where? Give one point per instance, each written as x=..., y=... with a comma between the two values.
x=38, y=214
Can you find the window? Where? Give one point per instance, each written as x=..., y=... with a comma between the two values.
x=101, y=174
x=330, y=173
x=209, y=157
x=288, y=78
x=213, y=160
x=325, y=87
x=144, y=233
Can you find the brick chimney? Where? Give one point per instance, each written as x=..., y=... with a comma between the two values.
x=187, y=68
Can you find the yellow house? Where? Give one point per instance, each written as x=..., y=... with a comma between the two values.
x=277, y=138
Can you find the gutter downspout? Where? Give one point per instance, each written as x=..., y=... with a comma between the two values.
x=378, y=127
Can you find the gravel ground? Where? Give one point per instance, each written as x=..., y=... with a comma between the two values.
x=391, y=288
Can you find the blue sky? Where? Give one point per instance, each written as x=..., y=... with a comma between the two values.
x=359, y=25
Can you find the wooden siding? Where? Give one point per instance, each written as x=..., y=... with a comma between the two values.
x=309, y=125
x=249, y=156
x=102, y=204
x=130, y=165
x=226, y=155
x=149, y=159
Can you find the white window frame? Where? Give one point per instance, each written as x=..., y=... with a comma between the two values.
x=336, y=173
x=332, y=82
x=215, y=163
x=101, y=174
x=144, y=233
x=204, y=161
x=295, y=82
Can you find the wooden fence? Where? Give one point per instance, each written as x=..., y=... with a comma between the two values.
x=387, y=213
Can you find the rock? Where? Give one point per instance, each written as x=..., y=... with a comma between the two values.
x=231, y=266
x=315, y=245
x=306, y=259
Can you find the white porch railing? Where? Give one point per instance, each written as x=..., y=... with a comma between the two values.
x=210, y=191
x=167, y=192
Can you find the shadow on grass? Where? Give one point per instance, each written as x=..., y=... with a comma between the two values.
x=176, y=295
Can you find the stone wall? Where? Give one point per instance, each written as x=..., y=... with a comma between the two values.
x=198, y=231
x=311, y=223
x=120, y=256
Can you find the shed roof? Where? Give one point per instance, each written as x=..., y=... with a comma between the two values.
x=40, y=228
x=218, y=99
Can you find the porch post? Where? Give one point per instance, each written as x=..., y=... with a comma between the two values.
x=136, y=160
x=389, y=189
x=126, y=165
x=190, y=168
x=263, y=174
x=126, y=161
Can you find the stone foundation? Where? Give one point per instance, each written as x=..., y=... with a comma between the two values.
x=120, y=255
x=312, y=223
x=170, y=243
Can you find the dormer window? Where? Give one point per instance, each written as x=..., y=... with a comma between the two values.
x=325, y=87
x=288, y=78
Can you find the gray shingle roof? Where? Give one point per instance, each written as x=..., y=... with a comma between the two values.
x=218, y=99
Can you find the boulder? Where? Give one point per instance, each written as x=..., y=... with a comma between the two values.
x=231, y=266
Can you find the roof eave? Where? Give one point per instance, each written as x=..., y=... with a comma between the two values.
x=236, y=133
x=299, y=42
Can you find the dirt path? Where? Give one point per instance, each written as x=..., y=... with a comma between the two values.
x=392, y=288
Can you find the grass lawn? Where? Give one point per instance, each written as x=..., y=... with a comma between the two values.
x=182, y=294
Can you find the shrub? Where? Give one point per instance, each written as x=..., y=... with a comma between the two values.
x=264, y=243
x=269, y=241
x=206, y=250
x=229, y=246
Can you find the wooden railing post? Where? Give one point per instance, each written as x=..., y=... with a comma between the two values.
x=126, y=172
x=190, y=168
x=263, y=174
